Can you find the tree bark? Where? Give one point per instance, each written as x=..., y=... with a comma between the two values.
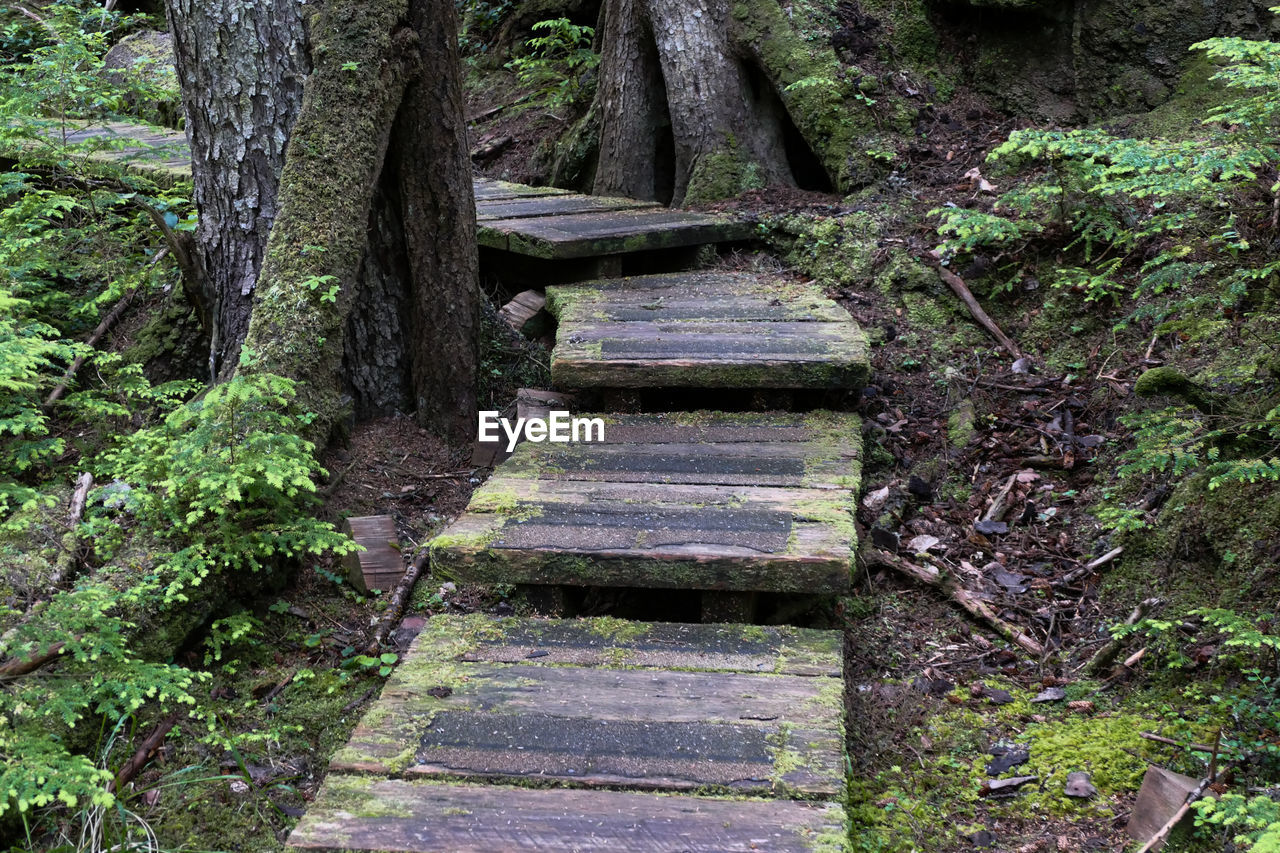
x=241, y=67
x=727, y=125
x=630, y=97
x=438, y=204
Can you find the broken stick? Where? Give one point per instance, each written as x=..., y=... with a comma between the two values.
x=399, y=598
x=957, y=285
x=965, y=598
x=69, y=560
x=1107, y=653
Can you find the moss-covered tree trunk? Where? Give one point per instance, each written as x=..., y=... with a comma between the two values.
x=365, y=55
x=241, y=68
x=749, y=100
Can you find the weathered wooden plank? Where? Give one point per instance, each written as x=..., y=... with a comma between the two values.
x=488, y=189
x=355, y=813
x=522, y=310
x=704, y=330
x=380, y=565
x=592, y=234
x=592, y=642
x=641, y=510
x=608, y=725
x=809, y=464
x=494, y=209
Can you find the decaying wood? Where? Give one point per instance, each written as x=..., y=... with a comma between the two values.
x=996, y=510
x=143, y=753
x=395, y=608
x=957, y=285
x=481, y=153
x=1157, y=841
x=15, y=667
x=103, y=327
x=1107, y=653
x=68, y=560
x=965, y=598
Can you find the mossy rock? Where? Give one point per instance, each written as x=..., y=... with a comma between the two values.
x=147, y=57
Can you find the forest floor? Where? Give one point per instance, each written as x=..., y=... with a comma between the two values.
x=934, y=698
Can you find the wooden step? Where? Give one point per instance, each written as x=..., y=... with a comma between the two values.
x=619, y=716
x=608, y=232
x=708, y=501
x=492, y=210
x=704, y=330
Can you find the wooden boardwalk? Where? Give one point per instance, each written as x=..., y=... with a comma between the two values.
x=703, y=330
x=700, y=501
x=601, y=734
x=551, y=735
x=531, y=222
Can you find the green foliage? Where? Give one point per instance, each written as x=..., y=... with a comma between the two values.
x=1250, y=824
x=1168, y=226
x=558, y=61
x=218, y=484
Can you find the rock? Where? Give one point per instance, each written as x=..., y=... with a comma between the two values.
x=1023, y=365
x=997, y=697
x=988, y=528
x=147, y=57
x=1050, y=694
x=1079, y=785
x=982, y=838
x=1007, y=758
x=920, y=487
x=886, y=539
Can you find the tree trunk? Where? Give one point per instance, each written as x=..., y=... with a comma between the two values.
x=241, y=67
x=438, y=203
x=631, y=101
x=727, y=124
x=365, y=57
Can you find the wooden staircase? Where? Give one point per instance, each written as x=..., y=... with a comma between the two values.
x=603, y=734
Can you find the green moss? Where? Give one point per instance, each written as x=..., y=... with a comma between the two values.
x=722, y=174
x=824, y=106
x=962, y=424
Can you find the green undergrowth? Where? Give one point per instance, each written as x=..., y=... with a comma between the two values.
x=932, y=795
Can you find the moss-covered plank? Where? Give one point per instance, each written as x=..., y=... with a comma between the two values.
x=354, y=813
x=692, y=647
x=493, y=209
x=601, y=721
x=158, y=153
x=807, y=464
x=586, y=235
x=689, y=501
x=704, y=330
x=488, y=189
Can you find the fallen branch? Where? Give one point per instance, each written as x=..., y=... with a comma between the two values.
x=996, y=510
x=1107, y=653
x=399, y=598
x=103, y=327
x=143, y=753
x=1090, y=567
x=965, y=598
x=957, y=285
x=1189, y=747
x=68, y=561
x=15, y=667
